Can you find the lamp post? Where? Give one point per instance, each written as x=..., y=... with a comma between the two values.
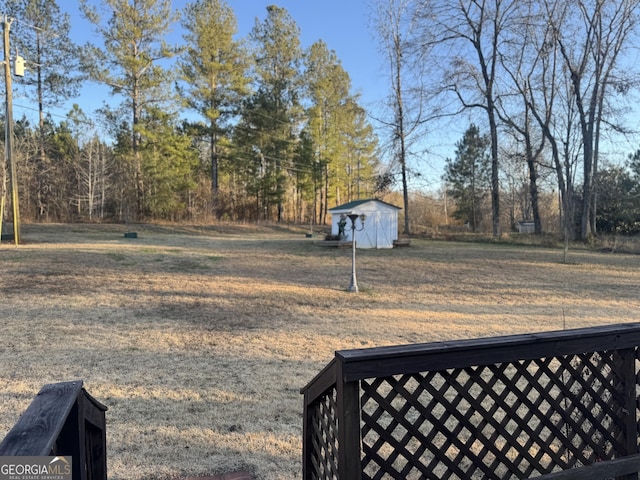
x=353, y=287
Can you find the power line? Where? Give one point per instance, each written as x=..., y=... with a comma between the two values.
x=48, y=113
x=40, y=29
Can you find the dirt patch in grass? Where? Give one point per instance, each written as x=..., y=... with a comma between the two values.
x=198, y=339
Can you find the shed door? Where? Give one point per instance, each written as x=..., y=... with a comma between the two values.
x=367, y=238
x=384, y=234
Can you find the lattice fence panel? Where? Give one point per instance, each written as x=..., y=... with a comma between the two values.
x=324, y=437
x=493, y=422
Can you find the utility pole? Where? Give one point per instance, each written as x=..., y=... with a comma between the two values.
x=8, y=146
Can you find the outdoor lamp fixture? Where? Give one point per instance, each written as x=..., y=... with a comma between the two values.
x=353, y=217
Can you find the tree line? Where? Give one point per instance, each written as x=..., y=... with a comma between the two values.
x=253, y=128
x=467, y=178
x=550, y=82
x=274, y=132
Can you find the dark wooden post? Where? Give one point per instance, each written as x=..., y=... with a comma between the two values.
x=93, y=436
x=307, y=439
x=63, y=419
x=38, y=429
x=627, y=374
x=349, y=459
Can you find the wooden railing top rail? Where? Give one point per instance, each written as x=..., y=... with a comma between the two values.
x=321, y=382
x=402, y=359
x=63, y=419
x=599, y=470
x=40, y=425
x=405, y=359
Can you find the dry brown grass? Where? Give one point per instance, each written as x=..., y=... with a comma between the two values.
x=199, y=339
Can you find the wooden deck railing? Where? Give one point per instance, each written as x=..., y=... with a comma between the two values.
x=554, y=405
x=63, y=420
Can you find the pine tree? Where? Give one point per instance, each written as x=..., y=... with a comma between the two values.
x=361, y=147
x=129, y=63
x=328, y=86
x=468, y=176
x=271, y=117
x=169, y=162
x=214, y=67
x=342, y=137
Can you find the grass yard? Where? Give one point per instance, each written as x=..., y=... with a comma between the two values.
x=198, y=339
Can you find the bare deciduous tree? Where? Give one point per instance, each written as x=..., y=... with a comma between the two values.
x=397, y=28
x=473, y=32
x=591, y=35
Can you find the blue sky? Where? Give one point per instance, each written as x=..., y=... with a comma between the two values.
x=342, y=24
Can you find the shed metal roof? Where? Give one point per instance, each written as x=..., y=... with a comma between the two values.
x=357, y=203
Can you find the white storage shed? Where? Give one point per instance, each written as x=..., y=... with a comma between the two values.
x=380, y=227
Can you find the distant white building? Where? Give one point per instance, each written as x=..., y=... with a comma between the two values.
x=526, y=226
x=380, y=226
